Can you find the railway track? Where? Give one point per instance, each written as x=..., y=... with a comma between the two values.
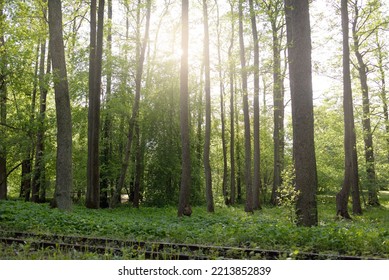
x=155, y=250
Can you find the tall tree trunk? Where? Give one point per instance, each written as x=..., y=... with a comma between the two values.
x=106, y=178
x=135, y=109
x=350, y=164
x=3, y=106
x=222, y=110
x=27, y=162
x=383, y=92
x=138, y=168
x=39, y=178
x=232, y=112
x=247, y=133
x=184, y=207
x=207, y=142
x=95, y=65
x=366, y=124
x=64, y=178
x=274, y=12
x=300, y=71
x=257, y=149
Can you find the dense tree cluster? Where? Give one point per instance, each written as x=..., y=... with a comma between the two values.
x=210, y=102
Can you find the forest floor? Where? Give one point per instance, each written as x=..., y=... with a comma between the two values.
x=270, y=228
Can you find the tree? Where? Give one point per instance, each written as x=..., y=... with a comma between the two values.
x=184, y=207
x=3, y=105
x=95, y=65
x=231, y=67
x=64, y=178
x=274, y=12
x=351, y=177
x=257, y=154
x=362, y=67
x=141, y=53
x=38, y=179
x=383, y=97
x=106, y=177
x=247, y=133
x=300, y=72
x=222, y=107
x=207, y=142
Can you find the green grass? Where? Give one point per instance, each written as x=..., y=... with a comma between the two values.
x=269, y=228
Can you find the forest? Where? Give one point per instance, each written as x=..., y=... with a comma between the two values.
x=257, y=123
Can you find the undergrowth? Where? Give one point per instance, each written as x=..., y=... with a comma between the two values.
x=269, y=228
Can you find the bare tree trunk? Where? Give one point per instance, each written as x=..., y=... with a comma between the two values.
x=232, y=113
x=135, y=109
x=184, y=207
x=138, y=168
x=106, y=178
x=64, y=178
x=3, y=106
x=222, y=110
x=95, y=66
x=25, y=185
x=383, y=91
x=300, y=71
x=274, y=10
x=367, y=134
x=257, y=148
x=350, y=169
x=207, y=142
x=247, y=133
x=39, y=178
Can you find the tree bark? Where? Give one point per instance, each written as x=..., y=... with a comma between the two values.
x=64, y=178
x=350, y=180
x=207, y=142
x=135, y=109
x=232, y=113
x=184, y=207
x=276, y=19
x=222, y=110
x=106, y=178
x=300, y=71
x=257, y=148
x=366, y=124
x=95, y=65
x=247, y=133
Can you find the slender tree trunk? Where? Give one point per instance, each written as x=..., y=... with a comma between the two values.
x=366, y=124
x=300, y=71
x=39, y=178
x=350, y=165
x=64, y=178
x=106, y=178
x=27, y=162
x=275, y=15
x=138, y=168
x=184, y=207
x=95, y=66
x=247, y=133
x=232, y=112
x=207, y=142
x=3, y=106
x=383, y=92
x=222, y=110
x=257, y=149
x=135, y=109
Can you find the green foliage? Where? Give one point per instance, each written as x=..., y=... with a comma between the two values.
x=270, y=228
x=287, y=193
